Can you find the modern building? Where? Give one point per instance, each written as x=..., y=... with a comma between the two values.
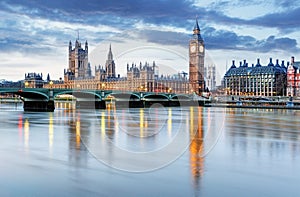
x=293, y=78
x=256, y=80
x=196, y=62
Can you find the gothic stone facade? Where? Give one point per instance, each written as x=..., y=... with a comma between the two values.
x=196, y=62
x=138, y=78
x=79, y=67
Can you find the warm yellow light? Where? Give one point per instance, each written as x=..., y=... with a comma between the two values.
x=141, y=122
x=78, y=133
x=26, y=133
x=51, y=131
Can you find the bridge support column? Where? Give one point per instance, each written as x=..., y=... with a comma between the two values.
x=39, y=106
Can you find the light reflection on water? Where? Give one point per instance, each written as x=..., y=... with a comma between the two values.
x=49, y=153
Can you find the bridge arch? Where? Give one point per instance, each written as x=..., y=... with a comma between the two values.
x=29, y=94
x=125, y=95
x=180, y=97
x=79, y=94
x=156, y=96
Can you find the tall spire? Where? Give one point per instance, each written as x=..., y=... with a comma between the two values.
x=196, y=31
x=110, y=55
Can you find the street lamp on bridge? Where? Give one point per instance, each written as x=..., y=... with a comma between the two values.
x=51, y=84
x=26, y=84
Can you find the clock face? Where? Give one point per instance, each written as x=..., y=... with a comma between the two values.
x=201, y=48
x=193, y=48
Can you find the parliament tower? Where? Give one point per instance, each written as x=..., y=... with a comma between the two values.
x=79, y=67
x=196, y=61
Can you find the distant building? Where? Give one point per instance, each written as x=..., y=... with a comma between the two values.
x=109, y=72
x=256, y=80
x=10, y=84
x=79, y=67
x=196, y=62
x=293, y=78
x=144, y=77
x=33, y=80
x=210, y=76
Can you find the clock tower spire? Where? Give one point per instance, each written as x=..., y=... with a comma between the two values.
x=196, y=61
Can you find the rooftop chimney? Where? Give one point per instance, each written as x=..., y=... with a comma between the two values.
x=292, y=60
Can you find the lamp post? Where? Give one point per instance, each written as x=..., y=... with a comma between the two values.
x=51, y=84
x=26, y=84
x=102, y=86
x=51, y=91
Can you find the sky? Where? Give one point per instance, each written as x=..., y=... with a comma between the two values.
x=34, y=34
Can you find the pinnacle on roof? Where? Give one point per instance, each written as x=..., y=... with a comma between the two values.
x=270, y=63
x=110, y=56
x=196, y=31
x=196, y=27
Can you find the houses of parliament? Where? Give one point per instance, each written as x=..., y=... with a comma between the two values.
x=141, y=77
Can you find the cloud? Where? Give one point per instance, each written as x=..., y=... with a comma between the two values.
x=273, y=43
x=165, y=37
x=282, y=20
x=220, y=39
x=42, y=26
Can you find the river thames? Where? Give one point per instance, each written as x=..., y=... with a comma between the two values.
x=188, y=151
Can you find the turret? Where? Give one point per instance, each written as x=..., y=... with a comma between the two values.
x=76, y=44
x=258, y=63
x=292, y=60
x=270, y=63
x=233, y=64
x=282, y=64
x=86, y=46
x=277, y=63
x=245, y=63
x=70, y=46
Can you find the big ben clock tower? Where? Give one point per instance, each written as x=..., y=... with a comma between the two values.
x=196, y=55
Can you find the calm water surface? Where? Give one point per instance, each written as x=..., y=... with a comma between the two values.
x=189, y=151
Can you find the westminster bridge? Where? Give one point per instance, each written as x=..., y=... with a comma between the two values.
x=42, y=99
